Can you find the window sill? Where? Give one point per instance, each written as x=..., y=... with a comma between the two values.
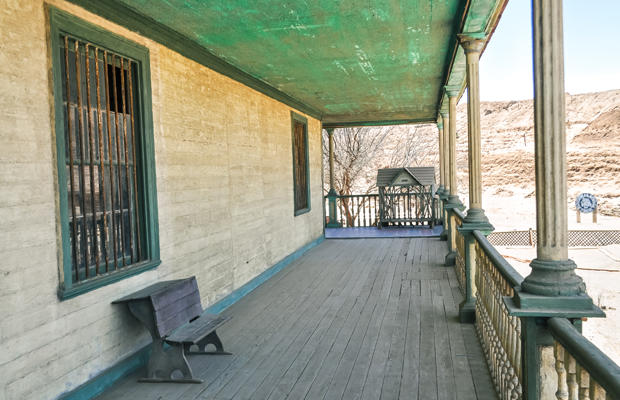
x=104, y=280
x=302, y=211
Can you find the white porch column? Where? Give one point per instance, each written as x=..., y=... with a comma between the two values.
x=441, y=166
x=473, y=44
x=445, y=116
x=553, y=274
x=452, y=92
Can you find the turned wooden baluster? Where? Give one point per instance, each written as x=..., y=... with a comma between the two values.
x=583, y=379
x=503, y=329
x=519, y=375
x=596, y=391
x=573, y=388
x=562, y=393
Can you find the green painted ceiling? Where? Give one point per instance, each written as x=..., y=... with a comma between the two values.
x=353, y=61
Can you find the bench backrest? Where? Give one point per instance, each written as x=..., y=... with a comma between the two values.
x=176, y=305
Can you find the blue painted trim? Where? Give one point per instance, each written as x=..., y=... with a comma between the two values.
x=123, y=368
x=254, y=283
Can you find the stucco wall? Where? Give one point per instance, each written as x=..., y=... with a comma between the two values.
x=224, y=189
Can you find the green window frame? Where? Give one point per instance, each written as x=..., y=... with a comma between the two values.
x=301, y=164
x=130, y=61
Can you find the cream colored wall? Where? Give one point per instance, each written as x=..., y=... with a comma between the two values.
x=225, y=194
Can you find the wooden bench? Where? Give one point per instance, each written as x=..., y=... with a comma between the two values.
x=173, y=314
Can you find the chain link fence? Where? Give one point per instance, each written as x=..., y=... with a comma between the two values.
x=575, y=238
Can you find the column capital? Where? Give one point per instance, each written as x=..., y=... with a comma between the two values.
x=472, y=42
x=440, y=125
x=330, y=131
x=452, y=90
x=444, y=113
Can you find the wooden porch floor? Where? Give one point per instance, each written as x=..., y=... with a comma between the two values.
x=351, y=319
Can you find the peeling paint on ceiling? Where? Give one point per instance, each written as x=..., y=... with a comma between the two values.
x=351, y=60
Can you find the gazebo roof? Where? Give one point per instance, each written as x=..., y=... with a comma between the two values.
x=425, y=176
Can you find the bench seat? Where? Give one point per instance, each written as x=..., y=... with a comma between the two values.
x=200, y=332
x=197, y=329
x=173, y=314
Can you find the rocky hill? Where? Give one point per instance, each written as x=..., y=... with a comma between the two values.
x=593, y=146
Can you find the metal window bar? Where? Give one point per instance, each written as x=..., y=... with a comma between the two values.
x=98, y=193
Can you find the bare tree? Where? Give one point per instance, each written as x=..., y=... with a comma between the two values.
x=360, y=152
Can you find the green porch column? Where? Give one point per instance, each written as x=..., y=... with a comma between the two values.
x=473, y=43
x=467, y=308
x=444, y=188
x=332, y=195
x=552, y=289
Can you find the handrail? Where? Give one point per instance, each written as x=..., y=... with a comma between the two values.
x=503, y=267
x=598, y=365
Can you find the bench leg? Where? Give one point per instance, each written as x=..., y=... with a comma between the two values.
x=211, y=338
x=164, y=363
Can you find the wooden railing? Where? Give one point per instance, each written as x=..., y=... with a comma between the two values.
x=583, y=370
x=499, y=333
x=408, y=208
x=458, y=218
x=357, y=210
x=404, y=209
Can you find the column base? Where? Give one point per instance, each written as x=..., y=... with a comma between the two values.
x=467, y=312
x=444, y=235
x=451, y=259
x=476, y=216
x=453, y=199
x=553, y=279
x=450, y=206
x=332, y=196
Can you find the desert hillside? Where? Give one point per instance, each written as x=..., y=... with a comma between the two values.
x=593, y=146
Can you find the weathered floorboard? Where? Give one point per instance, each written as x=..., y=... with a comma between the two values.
x=351, y=319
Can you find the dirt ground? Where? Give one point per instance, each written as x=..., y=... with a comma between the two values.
x=518, y=213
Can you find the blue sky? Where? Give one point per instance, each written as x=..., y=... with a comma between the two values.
x=591, y=50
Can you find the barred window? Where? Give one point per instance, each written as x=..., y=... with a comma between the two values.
x=300, y=164
x=102, y=149
x=104, y=217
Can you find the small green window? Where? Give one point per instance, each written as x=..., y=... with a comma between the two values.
x=106, y=170
x=301, y=170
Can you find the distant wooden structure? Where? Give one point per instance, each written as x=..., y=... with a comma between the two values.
x=406, y=196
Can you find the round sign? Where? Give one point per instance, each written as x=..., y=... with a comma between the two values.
x=585, y=203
